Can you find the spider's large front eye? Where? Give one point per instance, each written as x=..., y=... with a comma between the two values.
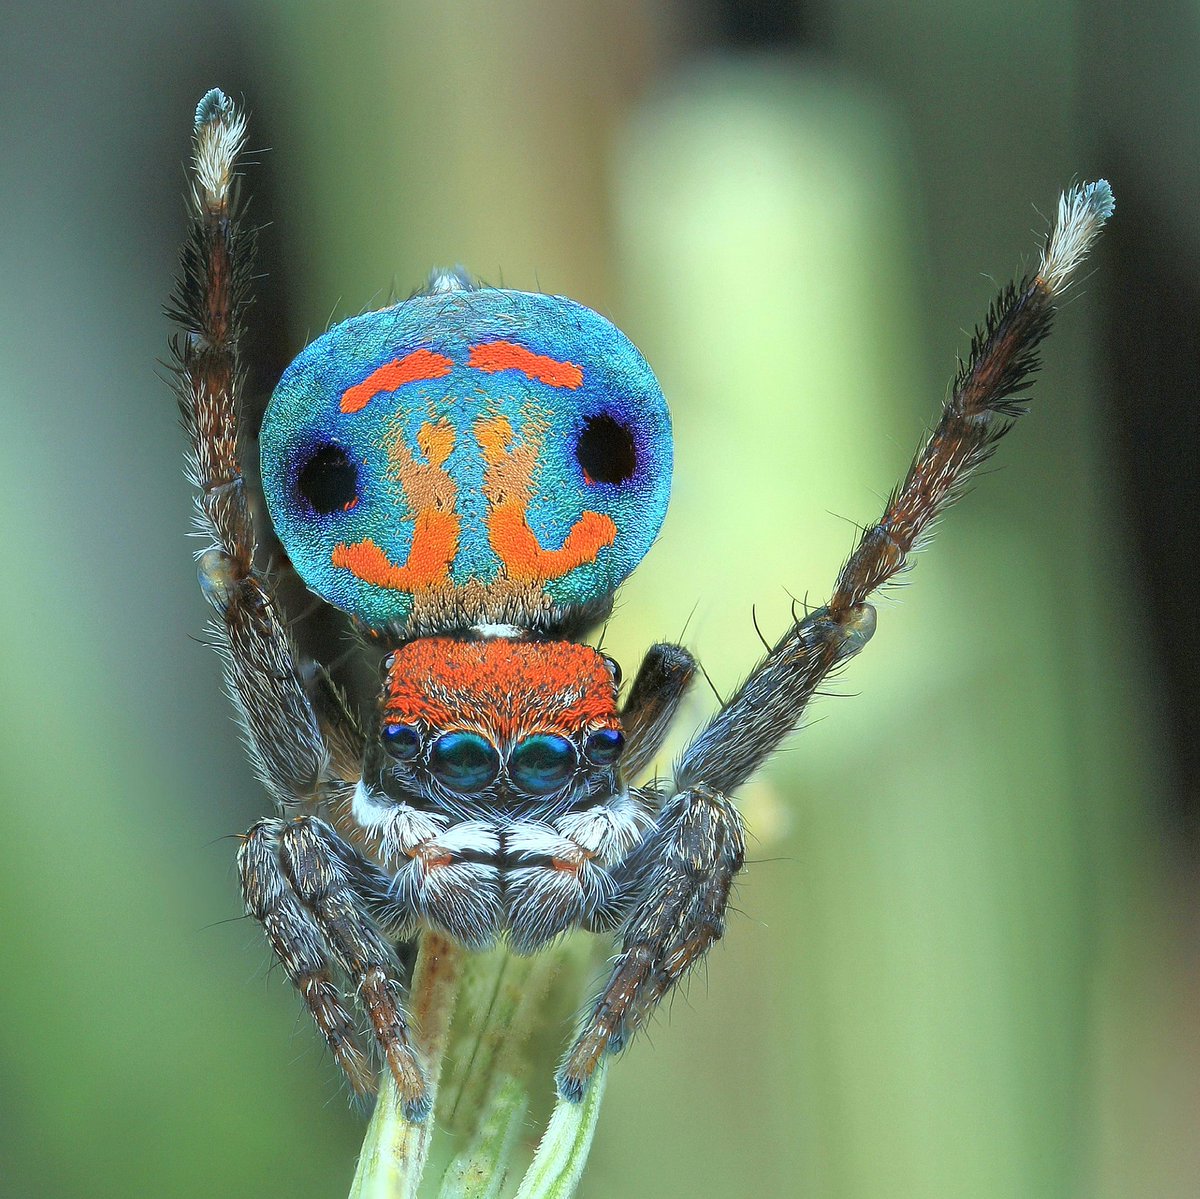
x=606, y=451
x=542, y=763
x=328, y=480
x=401, y=741
x=464, y=761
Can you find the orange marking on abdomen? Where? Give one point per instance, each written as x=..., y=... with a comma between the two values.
x=420, y=364
x=434, y=546
x=493, y=434
x=525, y=559
x=435, y=439
x=508, y=356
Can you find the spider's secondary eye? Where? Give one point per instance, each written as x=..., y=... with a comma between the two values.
x=401, y=741
x=542, y=763
x=328, y=480
x=606, y=451
x=604, y=746
x=464, y=761
x=614, y=668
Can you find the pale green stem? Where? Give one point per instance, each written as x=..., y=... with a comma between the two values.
x=503, y=999
x=562, y=1152
x=476, y=1015
x=480, y=1170
x=394, y=1151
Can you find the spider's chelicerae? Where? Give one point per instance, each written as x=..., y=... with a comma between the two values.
x=471, y=474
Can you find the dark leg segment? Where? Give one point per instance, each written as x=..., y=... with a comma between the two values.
x=303, y=884
x=747, y=730
x=662, y=681
x=680, y=881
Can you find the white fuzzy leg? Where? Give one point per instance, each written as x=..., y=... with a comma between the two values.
x=1082, y=212
x=220, y=136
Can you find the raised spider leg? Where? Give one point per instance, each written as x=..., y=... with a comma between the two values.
x=677, y=913
x=985, y=401
x=294, y=881
x=282, y=733
x=309, y=890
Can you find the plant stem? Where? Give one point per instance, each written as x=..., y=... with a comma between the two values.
x=562, y=1152
x=394, y=1151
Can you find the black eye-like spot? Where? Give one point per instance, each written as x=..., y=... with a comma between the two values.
x=606, y=450
x=328, y=480
x=542, y=763
x=402, y=741
x=464, y=761
x=604, y=746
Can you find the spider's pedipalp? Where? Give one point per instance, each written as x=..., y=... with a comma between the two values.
x=662, y=681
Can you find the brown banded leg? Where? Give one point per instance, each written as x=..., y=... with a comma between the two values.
x=987, y=397
x=658, y=689
x=299, y=944
x=305, y=886
x=682, y=878
x=283, y=733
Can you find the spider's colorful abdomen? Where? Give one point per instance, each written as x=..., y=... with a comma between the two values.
x=468, y=456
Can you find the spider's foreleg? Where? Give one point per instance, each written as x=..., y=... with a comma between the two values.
x=311, y=892
x=986, y=398
x=283, y=733
x=680, y=878
x=682, y=874
x=658, y=689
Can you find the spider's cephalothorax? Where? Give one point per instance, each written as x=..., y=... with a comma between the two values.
x=470, y=474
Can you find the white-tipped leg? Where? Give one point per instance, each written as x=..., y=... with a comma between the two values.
x=220, y=134
x=1082, y=212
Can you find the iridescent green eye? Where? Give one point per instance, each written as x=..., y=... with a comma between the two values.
x=542, y=763
x=604, y=746
x=464, y=762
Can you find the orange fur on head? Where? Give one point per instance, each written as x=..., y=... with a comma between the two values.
x=506, y=689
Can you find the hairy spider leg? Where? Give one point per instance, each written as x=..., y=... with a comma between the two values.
x=281, y=729
x=679, y=894
x=303, y=748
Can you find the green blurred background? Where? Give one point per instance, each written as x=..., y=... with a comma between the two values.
x=964, y=959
